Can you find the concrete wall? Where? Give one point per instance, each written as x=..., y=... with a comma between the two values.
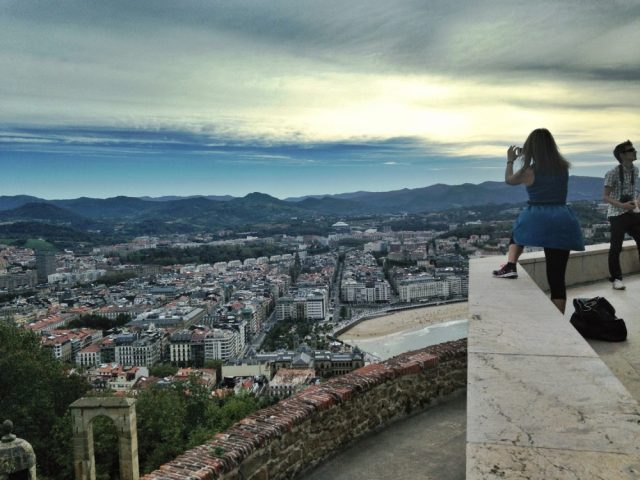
x=541, y=403
x=298, y=433
x=588, y=266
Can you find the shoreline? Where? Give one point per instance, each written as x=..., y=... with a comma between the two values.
x=406, y=320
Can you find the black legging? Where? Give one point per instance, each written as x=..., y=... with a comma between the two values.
x=556, y=268
x=556, y=261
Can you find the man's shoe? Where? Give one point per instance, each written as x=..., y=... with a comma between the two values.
x=618, y=285
x=506, y=271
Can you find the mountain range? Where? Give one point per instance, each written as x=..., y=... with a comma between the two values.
x=204, y=212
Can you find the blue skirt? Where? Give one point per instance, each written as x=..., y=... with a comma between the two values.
x=548, y=226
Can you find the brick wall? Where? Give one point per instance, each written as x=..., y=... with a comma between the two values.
x=295, y=434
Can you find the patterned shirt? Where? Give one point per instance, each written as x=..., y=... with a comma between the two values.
x=612, y=179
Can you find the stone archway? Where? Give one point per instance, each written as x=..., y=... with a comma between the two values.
x=123, y=413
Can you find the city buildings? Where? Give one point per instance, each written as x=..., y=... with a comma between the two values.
x=45, y=264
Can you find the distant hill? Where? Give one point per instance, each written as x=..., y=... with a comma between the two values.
x=333, y=205
x=59, y=234
x=9, y=203
x=98, y=208
x=44, y=212
x=440, y=196
x=197, y=213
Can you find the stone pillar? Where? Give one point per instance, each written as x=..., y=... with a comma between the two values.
x=123, y=413
x=84, y=464
x=17, y=459
x=128, y=444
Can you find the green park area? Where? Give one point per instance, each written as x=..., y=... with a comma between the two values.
x=34, y=243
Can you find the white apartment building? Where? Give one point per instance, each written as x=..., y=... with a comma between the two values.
x=180, y=347
x=422, y=288
x=250, y=315
x=220, y=267
x=351, y=291
x=283, y=308
x=89, y=356
x=382, y=291
x=60, y=346
x=357, y=292
x=316, y=306
x=144, y=352
x=456, y=285
x=221, y=344
x=377, y=246
x=311, y=305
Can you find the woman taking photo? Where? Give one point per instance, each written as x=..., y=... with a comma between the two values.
x=547, y=221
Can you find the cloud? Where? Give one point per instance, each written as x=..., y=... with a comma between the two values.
x=307, y=83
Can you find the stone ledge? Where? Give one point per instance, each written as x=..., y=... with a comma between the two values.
x=284, y=439
x=583, y=267
x=540, y=402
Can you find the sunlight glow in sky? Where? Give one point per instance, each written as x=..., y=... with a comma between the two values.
x=301, y=97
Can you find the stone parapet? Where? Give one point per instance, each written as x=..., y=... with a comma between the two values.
x=297, y=433
x=541, y=404
x=583, y=267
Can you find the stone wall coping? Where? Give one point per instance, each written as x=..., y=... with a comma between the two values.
x=598, y=249
x=103, y=402
x=228, y=450
x=583, y=267
x=540, y=402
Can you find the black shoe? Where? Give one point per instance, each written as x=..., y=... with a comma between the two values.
x=506, y=271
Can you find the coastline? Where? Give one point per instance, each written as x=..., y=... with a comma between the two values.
x=406, y=320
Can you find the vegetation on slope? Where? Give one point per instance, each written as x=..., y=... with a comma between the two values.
x=36, y=391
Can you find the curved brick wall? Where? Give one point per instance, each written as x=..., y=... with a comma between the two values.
x=297, y=433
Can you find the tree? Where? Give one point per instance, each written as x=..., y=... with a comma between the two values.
x=175, y=418
x=99, y=322
x=35, y=393
x=163, y=370
x=213, y=364
x=161, y=414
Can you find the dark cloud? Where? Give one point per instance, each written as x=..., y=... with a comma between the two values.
x=409, y=36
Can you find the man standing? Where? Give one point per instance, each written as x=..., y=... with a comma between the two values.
x=620, y=194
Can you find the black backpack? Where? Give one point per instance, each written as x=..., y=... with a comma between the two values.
x=595, y=318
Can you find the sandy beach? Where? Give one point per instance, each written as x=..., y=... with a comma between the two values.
x=406, y=320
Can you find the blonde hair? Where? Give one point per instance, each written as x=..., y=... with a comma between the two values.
x=541, y=152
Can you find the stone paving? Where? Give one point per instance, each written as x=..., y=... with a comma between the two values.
x=541, y=402
x=623, y=359
x=425, y=446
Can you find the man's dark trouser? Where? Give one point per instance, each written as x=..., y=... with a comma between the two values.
x=621, y=224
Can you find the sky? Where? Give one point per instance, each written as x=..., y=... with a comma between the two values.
x=296, y=97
